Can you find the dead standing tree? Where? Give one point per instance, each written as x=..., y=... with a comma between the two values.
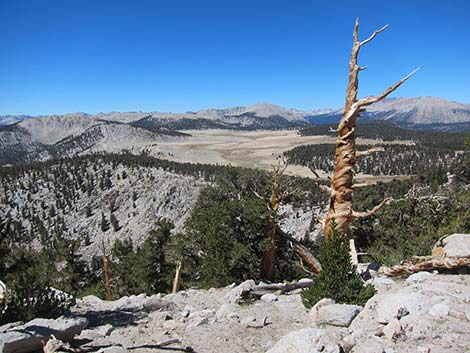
x=342, y=186
x=268, y=261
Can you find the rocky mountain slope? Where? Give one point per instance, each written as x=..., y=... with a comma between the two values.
x=11, y=119
x=68, y=136
x=106, y=197
x=74, y=199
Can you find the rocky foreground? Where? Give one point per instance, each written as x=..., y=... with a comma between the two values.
x=427, y=312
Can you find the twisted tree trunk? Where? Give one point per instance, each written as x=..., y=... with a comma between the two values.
x=341, y=190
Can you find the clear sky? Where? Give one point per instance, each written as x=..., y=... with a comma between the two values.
x=92, y=56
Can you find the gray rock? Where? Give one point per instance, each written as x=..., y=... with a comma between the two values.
x=170, y=325
x=389, y=305
x=393, y=329
x=90, y=299
x=417, y=327
x=307, y=340
x=248, y=320
x=419, y=277
x=226, y=310
x=204, y=314
x=97, y=332
x=269, y=298
x=234, y=295
x=382, y=281
x=440, y=310
x=337, y=314
x=27, y=338
x=455, y=244
x=10, y=325
x=197, y=322
x=161, y=315
x=313, y=314
x=155, y=303
x=368, y=346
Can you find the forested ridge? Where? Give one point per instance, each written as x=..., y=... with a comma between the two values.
x=416, y=152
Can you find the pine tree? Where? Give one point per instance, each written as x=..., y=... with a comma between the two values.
x=338, y=279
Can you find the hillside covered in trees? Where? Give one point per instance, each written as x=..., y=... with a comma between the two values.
x=406, y=152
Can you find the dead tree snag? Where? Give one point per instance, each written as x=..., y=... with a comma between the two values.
x=340, y=192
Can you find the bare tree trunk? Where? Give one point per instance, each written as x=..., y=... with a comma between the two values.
x=177, y=280
x=107, y=276
x=340, y=192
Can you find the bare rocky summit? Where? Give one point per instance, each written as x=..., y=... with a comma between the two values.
x=428, y=312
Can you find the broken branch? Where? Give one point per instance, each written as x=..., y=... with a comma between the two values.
x=371, y=212
x=369, y=100
x=260, y=290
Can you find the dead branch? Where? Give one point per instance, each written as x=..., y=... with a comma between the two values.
x=260, y=290
x=324, y=188
x=372, y=36
x=369, y=152
x=307, y=257
x=258, y=195
x=160, y=346
x=371, y=212
x=374, y=99
x=426, y=263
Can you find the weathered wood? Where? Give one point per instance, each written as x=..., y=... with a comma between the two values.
x=107, y=275
x=341, y=207
x=177, y=279
x=307, y=257
x=426, y=263
x=268, y=261
x=262, y=289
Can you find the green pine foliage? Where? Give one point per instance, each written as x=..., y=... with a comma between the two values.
x=27, y=277
x=411, y=225
x=228, y=232
x=146, y=269
x=338, y=279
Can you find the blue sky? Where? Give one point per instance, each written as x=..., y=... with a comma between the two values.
x=61, y=56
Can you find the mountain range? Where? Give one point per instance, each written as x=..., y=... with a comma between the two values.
x=24, y=138
x=423, y=113
x=420, y=112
